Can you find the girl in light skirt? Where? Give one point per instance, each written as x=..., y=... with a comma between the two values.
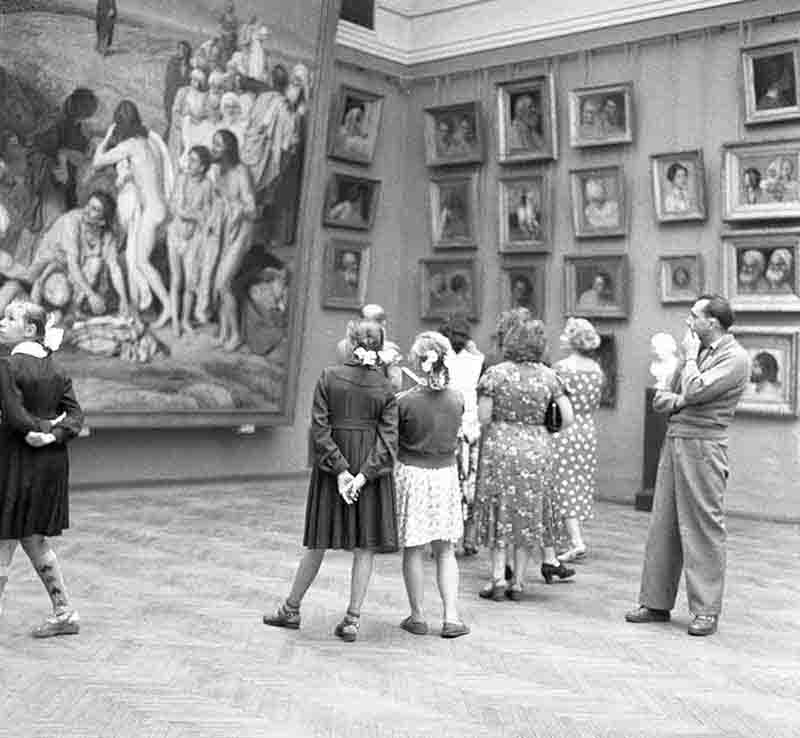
x=427, y=483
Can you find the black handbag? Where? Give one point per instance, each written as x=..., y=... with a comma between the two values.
x=552, y=417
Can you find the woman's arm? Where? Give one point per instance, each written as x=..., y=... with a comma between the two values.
x=329, y=457
x=104, y=157
x=381, y=458
x=66, y=429
x=567, y=414
x=15, y=414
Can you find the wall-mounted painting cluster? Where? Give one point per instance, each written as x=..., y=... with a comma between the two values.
x=351, y=198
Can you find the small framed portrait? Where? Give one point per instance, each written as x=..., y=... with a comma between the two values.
x=355, y=124
x=453, y=134
x=772, y=389
x=606, y=355
x=454, y=203
x=598, y=202
x=680, y=278
x=344, y=283
x=771, y=80
x=522, y=284
x=760, y=180
x=760, y=270
x=601, y=116
x=449, y=286
x=527, y=120
x=596, y=286
x=525, y=220
x=350, y=202
x=679, y=191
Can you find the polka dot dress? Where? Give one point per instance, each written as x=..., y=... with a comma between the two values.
x=575, y=449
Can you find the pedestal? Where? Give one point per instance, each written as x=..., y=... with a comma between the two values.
x=655, y=429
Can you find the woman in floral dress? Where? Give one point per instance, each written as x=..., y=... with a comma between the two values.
x=516, y=471
x=575, y=448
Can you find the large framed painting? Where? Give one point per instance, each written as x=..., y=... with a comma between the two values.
x=596, y=286
x=344, y=282
x=772, y=389
x=350, y=202
x=680, y=278
x=525, y=213
x=760, y=180
x=454, y=134
x=454, y=209
x=760, y=270
x=181, y=308
x=355, y=124
x=526, y=119
x=522, y=284
x=598, y=202
x=449, y=286
x=679, y=192
x=771, y=75
x=601, y=116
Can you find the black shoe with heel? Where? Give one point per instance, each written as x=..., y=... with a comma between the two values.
x=562, y=572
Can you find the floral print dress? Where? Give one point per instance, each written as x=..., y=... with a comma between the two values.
x=575, y=449
x=515, y=471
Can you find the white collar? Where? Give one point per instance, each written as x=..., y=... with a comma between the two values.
x=31, y=348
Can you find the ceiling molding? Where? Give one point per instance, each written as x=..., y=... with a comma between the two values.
x=409, y=32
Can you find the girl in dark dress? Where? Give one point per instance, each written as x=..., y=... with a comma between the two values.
x=351, y=498
x=34, y=464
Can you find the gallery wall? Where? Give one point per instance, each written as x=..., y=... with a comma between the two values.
x=687, y=94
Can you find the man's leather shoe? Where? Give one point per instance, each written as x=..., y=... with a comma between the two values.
x=703, y=625
x=644, y=614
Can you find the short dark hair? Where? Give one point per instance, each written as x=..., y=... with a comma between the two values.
x=718, y=307
x=674, y=168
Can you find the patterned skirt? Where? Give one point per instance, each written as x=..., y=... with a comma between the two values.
x=428, y=504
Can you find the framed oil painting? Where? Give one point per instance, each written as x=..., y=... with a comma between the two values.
x=771, y=74
x=355, y=124
x=679, y=192
x=344, y=283
x=596, y=286
x=147, y=341
x=526, y=116
x=525, y=213
x=449, y=286
x=598, y=202
x=760, y=180
x=522, y=284
x=606, y=355
x=350, y=202
x=454, y=134
x=772, y=389
x=601, y=116
x=680, y=278
x=454, y=207
x=760, y=270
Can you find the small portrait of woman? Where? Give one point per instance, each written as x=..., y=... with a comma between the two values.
x=678, y=186
x=599, y=294
x=771, y=82
x=681, y=278
x=452, y=199
x=350, y=202
x=598, y=205
x=596, y=286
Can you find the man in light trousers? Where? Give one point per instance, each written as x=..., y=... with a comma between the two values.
x=687, y=524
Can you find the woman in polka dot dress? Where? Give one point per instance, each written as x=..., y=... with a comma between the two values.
x=575, y=449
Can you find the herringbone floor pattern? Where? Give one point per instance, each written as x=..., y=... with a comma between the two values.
x=171, y=585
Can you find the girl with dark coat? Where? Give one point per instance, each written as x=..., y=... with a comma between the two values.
x=351, y=497
x=34, y=463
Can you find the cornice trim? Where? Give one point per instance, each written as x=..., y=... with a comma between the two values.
x=404, y=51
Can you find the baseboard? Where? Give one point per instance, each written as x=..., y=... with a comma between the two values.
x=188, y=480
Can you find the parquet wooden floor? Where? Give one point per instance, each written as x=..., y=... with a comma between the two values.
x=171, y=585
